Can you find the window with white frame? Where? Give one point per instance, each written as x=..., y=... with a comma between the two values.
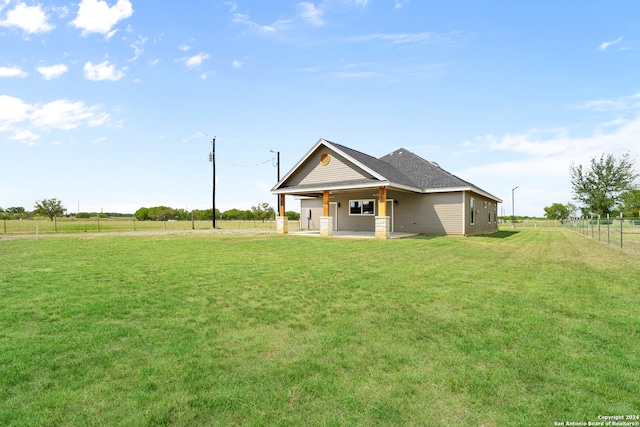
x=362, y=207
x=489, y=212
x=495, y=213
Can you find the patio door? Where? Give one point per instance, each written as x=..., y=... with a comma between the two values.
x=390, y=213
x=333, y=211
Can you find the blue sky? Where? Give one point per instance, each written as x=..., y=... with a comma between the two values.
x=112, y=105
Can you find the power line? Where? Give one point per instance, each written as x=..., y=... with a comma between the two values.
x=249, y=166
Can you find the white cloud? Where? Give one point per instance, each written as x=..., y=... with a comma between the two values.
x=184, y=47
x=400, y=3
x=31, y=19
x=62, y=11
x=233, y=6
x=62, y=114
x=24, y=135
x=110, y=34
x=605, y=45
x=617, y=104
x=237, y=64
x=397, y=38
x=195, y=60
x=53, y=71
x=12, y=110
x=137, y=47
x=98, y=119
x=25, y=121
x=311, y=14
x=12, y=72
x=357, y=75
x=276, y=27
x=102, y=71
x=95, y=16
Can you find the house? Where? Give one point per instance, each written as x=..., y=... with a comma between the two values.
x=343, y=189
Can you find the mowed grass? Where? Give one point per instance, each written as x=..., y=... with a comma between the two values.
x=518, y=328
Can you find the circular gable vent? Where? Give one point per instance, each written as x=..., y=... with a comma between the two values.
x=325, y=158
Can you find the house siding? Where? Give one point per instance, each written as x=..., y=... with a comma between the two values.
x=315, y=205
x=339, y=169
x=434, y=214
x=481, y=224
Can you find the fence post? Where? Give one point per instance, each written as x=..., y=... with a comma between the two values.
x=620, y=232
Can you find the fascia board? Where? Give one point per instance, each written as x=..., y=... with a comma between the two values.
x=331, y=188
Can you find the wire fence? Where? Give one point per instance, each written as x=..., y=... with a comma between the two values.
x=622, y=232
x=124, y=224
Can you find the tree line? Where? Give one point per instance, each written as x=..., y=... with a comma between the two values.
x=607, y=187
x=53, y=208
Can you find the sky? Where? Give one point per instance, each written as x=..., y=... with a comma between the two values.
x=112, y=105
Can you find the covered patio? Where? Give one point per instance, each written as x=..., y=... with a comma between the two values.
x=352, y=234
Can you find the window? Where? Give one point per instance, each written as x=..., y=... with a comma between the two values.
x=472, y=207
x=495, y=213
x=489, y=212
x=361, y=207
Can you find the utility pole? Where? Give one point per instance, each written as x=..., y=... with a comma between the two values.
x=277, y=209
x=212, y=159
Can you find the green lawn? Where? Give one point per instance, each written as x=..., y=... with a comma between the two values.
x=528, y=327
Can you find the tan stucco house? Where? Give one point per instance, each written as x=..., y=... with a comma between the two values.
x=343, y=189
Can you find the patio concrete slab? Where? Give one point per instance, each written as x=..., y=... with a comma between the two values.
x=352, y=234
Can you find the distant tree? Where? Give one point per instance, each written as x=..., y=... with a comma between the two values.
x=237, y=214
x=631, y=204
x=600, y=187
x=262, y=211
x=293, y=216
x=14, y=212
x=49, y=207
x=161, y=213
x=556, y=211
x=142, y=214
x=83, y=215
x=202, y=215
x=573, y=209
x=182, y=214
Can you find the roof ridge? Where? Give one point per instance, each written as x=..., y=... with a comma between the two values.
x=348, y=148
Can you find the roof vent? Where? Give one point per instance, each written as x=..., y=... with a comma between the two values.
x=436, y=164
